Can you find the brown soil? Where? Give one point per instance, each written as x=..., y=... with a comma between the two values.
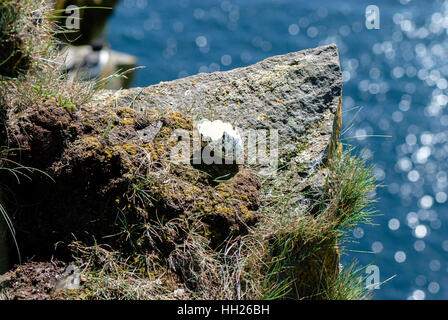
x=31, y=281
x=110, y=180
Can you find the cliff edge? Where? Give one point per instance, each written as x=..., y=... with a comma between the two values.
x=126, y=186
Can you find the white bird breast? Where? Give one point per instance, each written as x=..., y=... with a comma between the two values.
x=222, y=136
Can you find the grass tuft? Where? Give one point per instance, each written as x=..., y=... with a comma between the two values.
x=299, y=251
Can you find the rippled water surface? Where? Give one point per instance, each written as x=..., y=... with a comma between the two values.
x=395, y=84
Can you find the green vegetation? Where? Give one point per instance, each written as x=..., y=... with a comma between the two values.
x=304, y=246
x=15, y=54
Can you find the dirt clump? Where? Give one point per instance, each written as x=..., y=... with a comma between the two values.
x=31, y=281
x=112, y=178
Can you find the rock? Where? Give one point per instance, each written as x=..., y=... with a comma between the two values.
x=95, y=153
x=89, y=62
x=179, y=292
x=296, y=95
x=69, y=280
x=113, y=158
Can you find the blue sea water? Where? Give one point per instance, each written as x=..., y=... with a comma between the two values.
x=394, y=84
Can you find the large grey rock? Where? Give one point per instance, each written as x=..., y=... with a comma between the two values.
x=296, y=93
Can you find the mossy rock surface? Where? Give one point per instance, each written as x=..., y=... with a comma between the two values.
x=103, y=167
x=298, y=94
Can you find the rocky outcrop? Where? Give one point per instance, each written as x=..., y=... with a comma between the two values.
x=297, y=93
x=116, y=181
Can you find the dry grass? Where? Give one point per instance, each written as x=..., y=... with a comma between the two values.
x=41, y=80
x=289, y=254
